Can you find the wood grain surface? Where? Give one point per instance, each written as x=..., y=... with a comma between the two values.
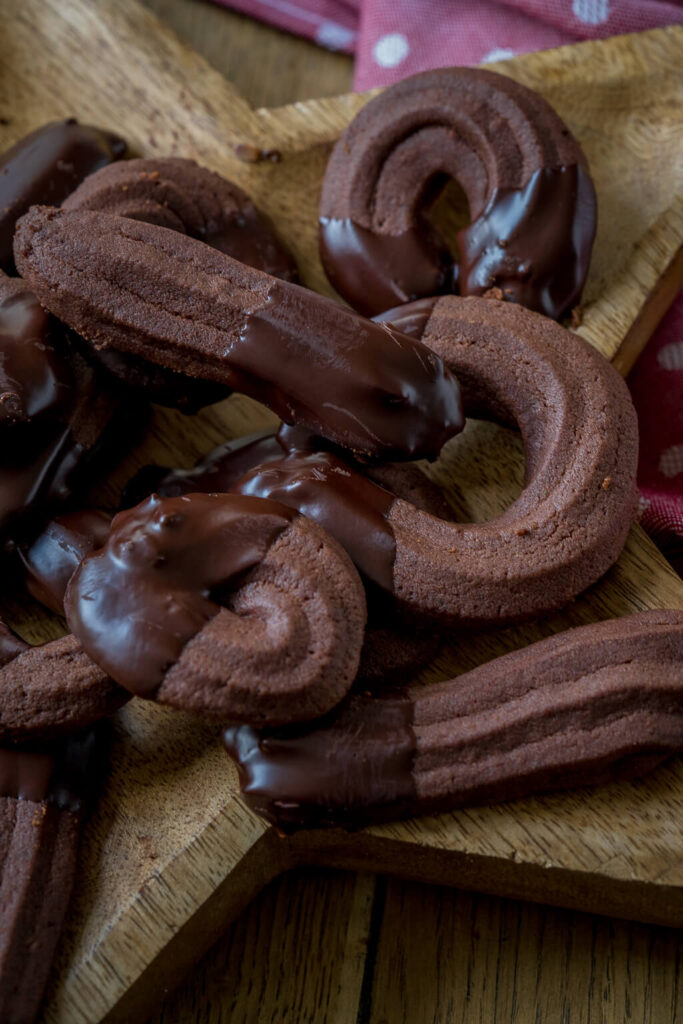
x=163, y=870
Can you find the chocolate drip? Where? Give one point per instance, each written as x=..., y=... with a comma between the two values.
x=63, y=773
x=384, y=270
x=413, y=320
x=138, y=601
x=353, y=766
x=54, y=556
x=533, y=243
x=44, y=167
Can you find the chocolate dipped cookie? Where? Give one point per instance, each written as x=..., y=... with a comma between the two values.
x=347, y=499
x=592, y=704
x=233, y=607
x=531, y=199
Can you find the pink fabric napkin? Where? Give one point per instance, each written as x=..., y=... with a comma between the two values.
x=395, y=38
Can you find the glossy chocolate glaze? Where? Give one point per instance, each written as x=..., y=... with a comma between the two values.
x=384, y=270
x=365, y=386
x=33, y=379
x=353, y=766
x=290, y=468
x=44, y=167
x=63, y=773
x=352, y=508
x=413, y=320
x=135, y=603
x=216, y=473
x=53, y=557
x=57, y=415
x=519, y=243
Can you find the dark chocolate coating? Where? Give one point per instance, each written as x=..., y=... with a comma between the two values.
x=44, y=167
x=352, y=508
x=181, y=195
x=33, y=379
x=532, y=202
x=55, y=554
x=139, y=600
x=61, y=772
x=231, y=606
x=292, y=467
x=59, y=417
x=135, y=288
x=589, y=705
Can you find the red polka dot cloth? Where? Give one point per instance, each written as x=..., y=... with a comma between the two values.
x=395, y=38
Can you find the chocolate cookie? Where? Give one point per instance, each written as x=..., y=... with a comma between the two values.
x=181, y=195
x=44, y=793
x=44, y=167
x=229, y=606
x=532, y=202
x=332, y=490
x=50, y=689
x=136, y=288
x=589, y=705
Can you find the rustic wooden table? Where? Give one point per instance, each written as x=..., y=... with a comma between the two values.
x=350, y=948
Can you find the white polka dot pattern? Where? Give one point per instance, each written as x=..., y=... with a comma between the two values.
x=390, y=50
x=497, y=53
x=591, y=12
x=671, y=356
x=671, y=460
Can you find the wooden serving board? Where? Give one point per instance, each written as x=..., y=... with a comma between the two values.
x=172, y=854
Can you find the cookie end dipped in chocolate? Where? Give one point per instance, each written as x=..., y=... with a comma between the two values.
x=347, y=770
x=531, y=200
x=365, y=386
x=229, y=606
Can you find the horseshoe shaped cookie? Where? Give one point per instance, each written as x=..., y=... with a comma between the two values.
x=532, y=203
x=224, y=605
x=580, y=436
x=589, y=705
